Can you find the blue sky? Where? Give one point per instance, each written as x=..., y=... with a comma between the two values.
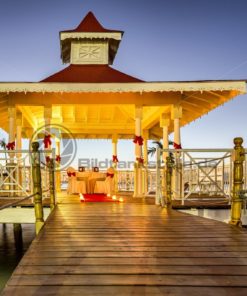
x=163, y=41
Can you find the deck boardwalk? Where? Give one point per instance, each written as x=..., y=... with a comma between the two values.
x=131, y=249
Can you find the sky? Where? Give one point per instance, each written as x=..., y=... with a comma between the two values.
x=164, y=40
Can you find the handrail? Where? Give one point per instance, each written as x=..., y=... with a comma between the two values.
x=199, y=150
x=17, y=202
x=23, y=151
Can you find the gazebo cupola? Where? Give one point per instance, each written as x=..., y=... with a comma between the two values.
x=90, y=43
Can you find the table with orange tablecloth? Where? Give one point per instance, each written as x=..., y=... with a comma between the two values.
x=95, y=176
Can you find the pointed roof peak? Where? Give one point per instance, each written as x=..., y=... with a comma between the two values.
x=91, y=24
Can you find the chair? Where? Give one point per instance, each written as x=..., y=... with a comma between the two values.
x=76, y=183
x=71, y=172
x=81, y=169
x=81, y=185
x=105, y=186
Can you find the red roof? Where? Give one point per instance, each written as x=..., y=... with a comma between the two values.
x=91, y=24
x=90, y=74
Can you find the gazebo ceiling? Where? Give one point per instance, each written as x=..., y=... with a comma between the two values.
x=110, y=108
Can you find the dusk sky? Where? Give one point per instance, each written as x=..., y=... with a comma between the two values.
x=164, y=40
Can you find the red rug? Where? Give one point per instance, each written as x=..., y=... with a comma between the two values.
x=98, y=198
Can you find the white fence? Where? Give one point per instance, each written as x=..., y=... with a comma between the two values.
x=16, y=172
x=201, y=172
x=196, y=172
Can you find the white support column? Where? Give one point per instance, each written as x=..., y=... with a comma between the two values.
x=115, y=161
x=138, y=186
x=12, y=127
x=114, y=150
x=145, y=159
x=164, y=124
x=176, y=116
x=58, y=172
x=47, y=116
x=145, y=146
x=138, y=131
x=11, y=146
x=29, y=131
x=19, y=123
x=47, y=119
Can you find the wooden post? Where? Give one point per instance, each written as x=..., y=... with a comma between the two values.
x=51, y=165
x=37, y=189
x=18, y=236
x=239, y=158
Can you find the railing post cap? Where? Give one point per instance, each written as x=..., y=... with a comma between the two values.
x=35, y=146
x=238, y=141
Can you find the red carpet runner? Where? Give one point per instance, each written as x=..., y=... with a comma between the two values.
x=97, y=198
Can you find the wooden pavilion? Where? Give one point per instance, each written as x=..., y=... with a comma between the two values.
x=95, y=101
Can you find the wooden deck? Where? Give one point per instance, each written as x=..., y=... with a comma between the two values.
x=131, y=249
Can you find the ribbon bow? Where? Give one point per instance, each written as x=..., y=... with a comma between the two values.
x=138, y=140
x=10, y=146
x=114, y=158
x=70, y=174
x=47, y=141
x=109, y=175
x=58, y=158
x=177, y=146
x=140, y=160
x=48, y=159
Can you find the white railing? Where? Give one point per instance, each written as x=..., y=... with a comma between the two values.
x=201, y=172
x=16, y=174
x=151, y=181
x=126, y=180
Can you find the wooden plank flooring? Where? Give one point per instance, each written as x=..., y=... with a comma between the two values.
x=131, y=249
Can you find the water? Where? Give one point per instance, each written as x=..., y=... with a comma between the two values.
x=14, y=241
x=219, y=214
